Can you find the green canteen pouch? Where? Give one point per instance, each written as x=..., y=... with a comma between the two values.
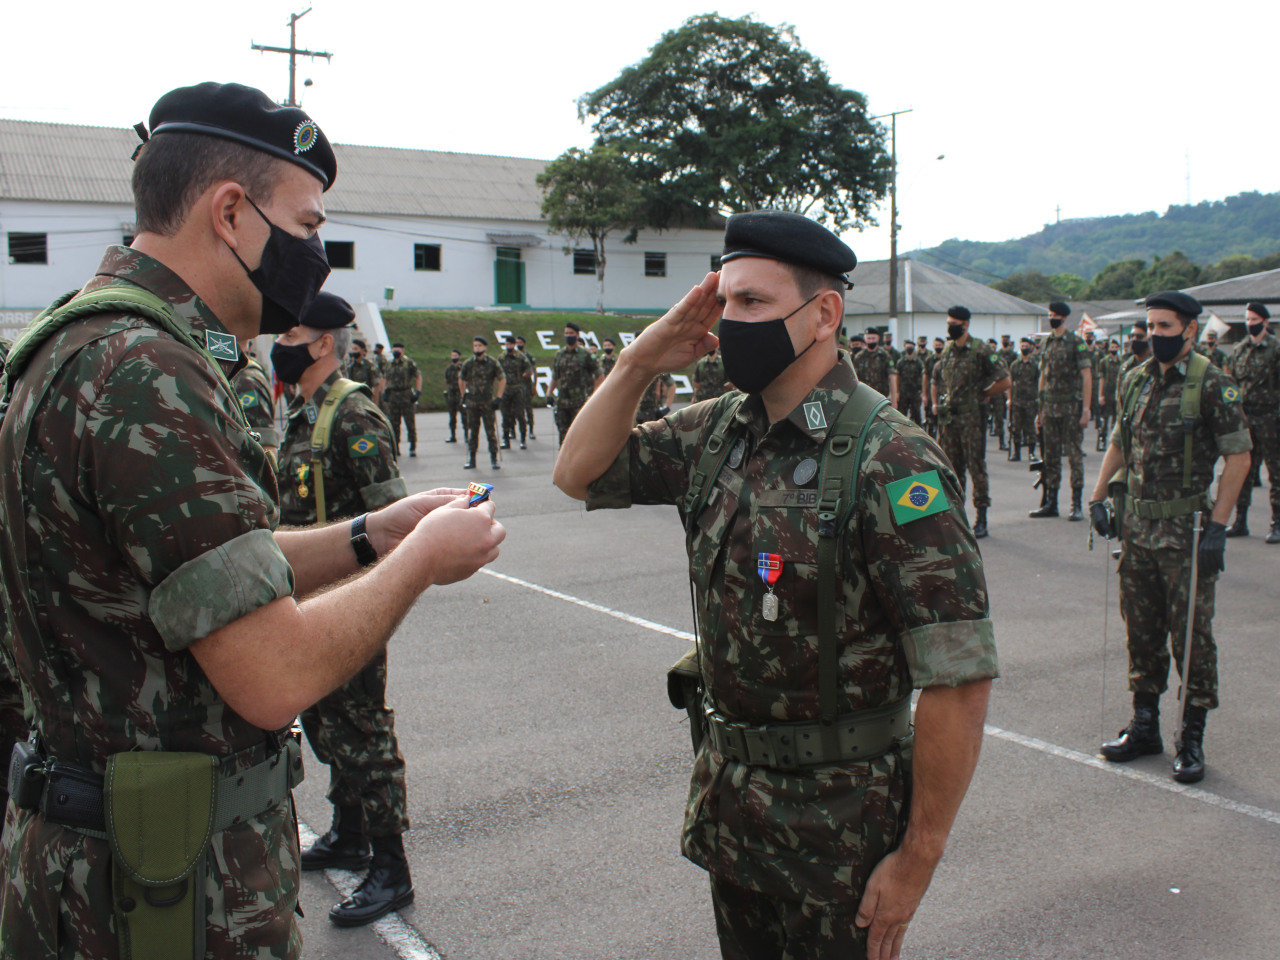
x=160, y=810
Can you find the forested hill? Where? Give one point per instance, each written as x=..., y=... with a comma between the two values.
x=1246, y=224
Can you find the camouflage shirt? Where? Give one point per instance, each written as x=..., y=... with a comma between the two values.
x=1108, y=371
x=574, y=371
x=910, y=375
x=607, y=360
x=874, y=368
x=963, y=373
x=1061, y=360
x=654, y=398
x=913, y=612
x=1126, y=366
x=148, y=525
x=363, y=371
x=1025, y=374
x=1008, y=356
x=13, y=721
x=401, y=376
x=514, y=366
x=481, y=376
x=1217, y=356
x=360, y=472
x=1256, y=368
x=254, y=390
x=709, y=375
x=451, y=372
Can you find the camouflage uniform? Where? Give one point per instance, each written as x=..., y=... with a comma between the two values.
x=1155, y=565
x=930, y=418
x=514, y=365
x=1126, y=366
x=13, y=720
x=254, y=390
x=606, y=361
x=1107, y=373
x=1061, y=360
x=575, y=370
x=363, y=371
x=913, y=613
x=530, y=391
x=654, y=398
x=1217, y=356
x=481, y=376
x=352, y=730
x=910, y=383
x=1025, y=374
x=453, y=397
x=961, y=375
x=398, y=403
x=161, y=508
x=874, y=367
x=1256, y=368
x=998, y=404
x=709, y=375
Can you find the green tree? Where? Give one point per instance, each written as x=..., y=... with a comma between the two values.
x=590, y=194
x=1029, y=285
x=731, y=115
x=1168, y=273
x=1071, y=285
x=1117, y=281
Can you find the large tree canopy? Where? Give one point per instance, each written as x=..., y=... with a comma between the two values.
x=732, y=115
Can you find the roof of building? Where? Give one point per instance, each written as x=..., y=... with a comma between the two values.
x=1263, y=287
x=82, y=164
x=932, y=291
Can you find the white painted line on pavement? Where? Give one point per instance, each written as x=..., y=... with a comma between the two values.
x=391, y=930
x=1031, y=743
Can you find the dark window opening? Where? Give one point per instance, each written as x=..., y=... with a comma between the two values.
x=341, y=254
x=426, y=256
x=28, y=248
x=584, y=260
x=655, y=264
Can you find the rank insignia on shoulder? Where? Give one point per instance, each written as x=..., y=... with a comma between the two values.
x=365, y=445
x=479, y=493
x=1230, y=394
x=221, y=346
x=916, y=497
x=814, y=416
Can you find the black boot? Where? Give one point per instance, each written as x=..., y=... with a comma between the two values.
x=387, y=886
x=1274, y=535
x=1048, y=506
x=1015, y=452
x=1031, y=449
x=471, y=463
x=493, y=462
x=453, y=438
x=1241, y=527
x=344, y=846
x=980, y=524
x=1188, y=764
x=1141, y=736
x=1077, y=511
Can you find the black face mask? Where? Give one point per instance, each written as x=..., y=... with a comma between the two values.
x=291, y=273
x=910, y=350
x=478, y=353
x=1139, y=347
x=955, y=331
x=1056, y=322
x=290, y=361
x=872, y=346
x=397, y=354
x=1256, y=328
x=608, y=349
x=1026, y=351
x=1166, y=349
x=570, y=341
x=756, y=353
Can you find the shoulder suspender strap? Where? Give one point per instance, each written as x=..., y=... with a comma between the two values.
x=1132, y=383
x=1189, y=411
x=322, y=436
x=841, y=458
x=714, y=454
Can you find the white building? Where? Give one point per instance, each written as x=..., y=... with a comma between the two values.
x=407, y=228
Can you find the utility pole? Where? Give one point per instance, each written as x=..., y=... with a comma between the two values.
x=893, y=210
x=293, y=52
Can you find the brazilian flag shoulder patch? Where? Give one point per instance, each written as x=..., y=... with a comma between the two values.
x=364, y=445
x=248, y=400
x=1231, y=394
x=916, y=497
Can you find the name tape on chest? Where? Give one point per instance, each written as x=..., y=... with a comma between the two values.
x=917, y=497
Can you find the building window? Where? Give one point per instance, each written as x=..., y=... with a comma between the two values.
x=28, y=248
x=341, y=254
x=584, y=260
x=426, y=256
x=715, y=263
x=655, y=264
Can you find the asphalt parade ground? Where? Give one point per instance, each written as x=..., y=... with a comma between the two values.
x=547, y=771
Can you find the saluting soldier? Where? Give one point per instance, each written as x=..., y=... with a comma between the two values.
x=453, y=396
x=514, y=367
x=254, y=390
x=967, y=373
x=400, y=398
x=708, y=377
x=1066, y=386
x=1024, y=377
x=808, y=847
x=352, y=729
x=1255, y=365
x=910, y=382
x=574, y=374
x=1168, y=475
x=876, y=367
x=483, y=383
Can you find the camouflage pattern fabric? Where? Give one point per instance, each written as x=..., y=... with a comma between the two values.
x=874, y=367
x=751, y=925
x=1062, y=359
x=1108, y=373
x=710, y=377
x=13, y=720
x=150, y=526
x=575, y=371
x=397, y=398
x=913, y=612
x=1256, y=369
x=531, y=398
x=1216, y=355
x=363, y=371
x=453, y=397
x=514, y=365
x=607, y=360
x=254, y=389
x=1155, y=563
x=654, y=397
x=930, y=419
x=1062, y=435
x=910, y=384
x=961, y=375
x=1025, y=374
x=1126, y=366
x=481, y=376
x=351, y=730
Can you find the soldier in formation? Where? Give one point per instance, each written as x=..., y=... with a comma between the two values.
x=910, y=382
x=382, y=362
x=515, y=367
x=708, y=377
x=876, y=367
x=657, y=398
x=838, y=806
x=483, y=383
x=1024, y=388
x=1165, y=491
x=360, y=368
x=453, y=396
x=400, y=397
x=1139, y=352
x=930, y=363
x=1211, y=351
x=530, y=397
x=1255, y=366
x=338, y=462
x=1066, y=386
x=574, y=374
x=1108, y=370
x=256, y=399
x=607, y=348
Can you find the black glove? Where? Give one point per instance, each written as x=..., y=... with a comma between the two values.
x=1100, y=517
x=1213, y=547
x=497, y=403
x=663, y=411
x=416, y=394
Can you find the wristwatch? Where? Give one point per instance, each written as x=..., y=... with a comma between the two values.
x=366, y=556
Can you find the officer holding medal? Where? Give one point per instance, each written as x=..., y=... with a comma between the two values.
x=776, y=656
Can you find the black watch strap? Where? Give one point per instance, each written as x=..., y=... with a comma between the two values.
x=366, y=556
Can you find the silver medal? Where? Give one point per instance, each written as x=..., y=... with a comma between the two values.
x=769, y=609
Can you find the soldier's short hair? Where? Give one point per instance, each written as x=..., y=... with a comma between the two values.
x=570, y=325
x=172, y=171
x=341, y=340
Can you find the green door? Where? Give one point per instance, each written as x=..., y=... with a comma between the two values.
x=508, y=276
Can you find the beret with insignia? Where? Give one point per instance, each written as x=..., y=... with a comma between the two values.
x=1060, y=309
x=857, y=338
x=1175, y=300
x=789, y=238
x=328, y=311
x=1260, y=309
x=959, y=313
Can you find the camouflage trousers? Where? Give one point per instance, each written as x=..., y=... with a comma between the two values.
x=997, y=407
x=909, y=403
x=755, y=926
x=1062, y=435
x=352, y=730
x=1264, y=430
x=454, y=401
x=481, y=413
x=565, y=415
x=964, y=441
x=400, y=406
x=513, y=407
x=1153, y=602
x=1022, y=423
x=13, y=724
x=530, y=399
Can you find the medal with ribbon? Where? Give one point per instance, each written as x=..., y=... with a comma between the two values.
x=769, y=566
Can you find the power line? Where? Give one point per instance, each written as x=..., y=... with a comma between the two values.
x=293, y=52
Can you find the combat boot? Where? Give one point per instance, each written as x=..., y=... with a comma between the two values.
x=1188, y=764
x=344, y=846
x=980, y=524
x=1048, y=506
x=1141, y=736
x=470, y=464
x=1241, y=527
x=387, y=887
x=506, y=443
x=1015, y=452
x=453, y=438
x=1031, y=449
x=1077, y=511
x=493, y=462
x=1274, y=535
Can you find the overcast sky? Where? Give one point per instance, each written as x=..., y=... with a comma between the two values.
x=1093, y=107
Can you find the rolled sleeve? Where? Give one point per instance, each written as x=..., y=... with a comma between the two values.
x=380, y=494
x=219, y=587
x=1237, y=441
x=951, y=654
x=612, y=489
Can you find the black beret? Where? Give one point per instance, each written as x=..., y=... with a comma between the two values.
x=573, y=326
x=1176, y=301
x=400, y=345
x=359, y=343
x=858, y=337
x=789, y=238
x=1060, y=308
x=509, y=339
x=960, y=313
x=246, y=115
x=479, y=339
x=1260, y=309
x=1028, y=340
x=328, y=311
x=874, y=330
